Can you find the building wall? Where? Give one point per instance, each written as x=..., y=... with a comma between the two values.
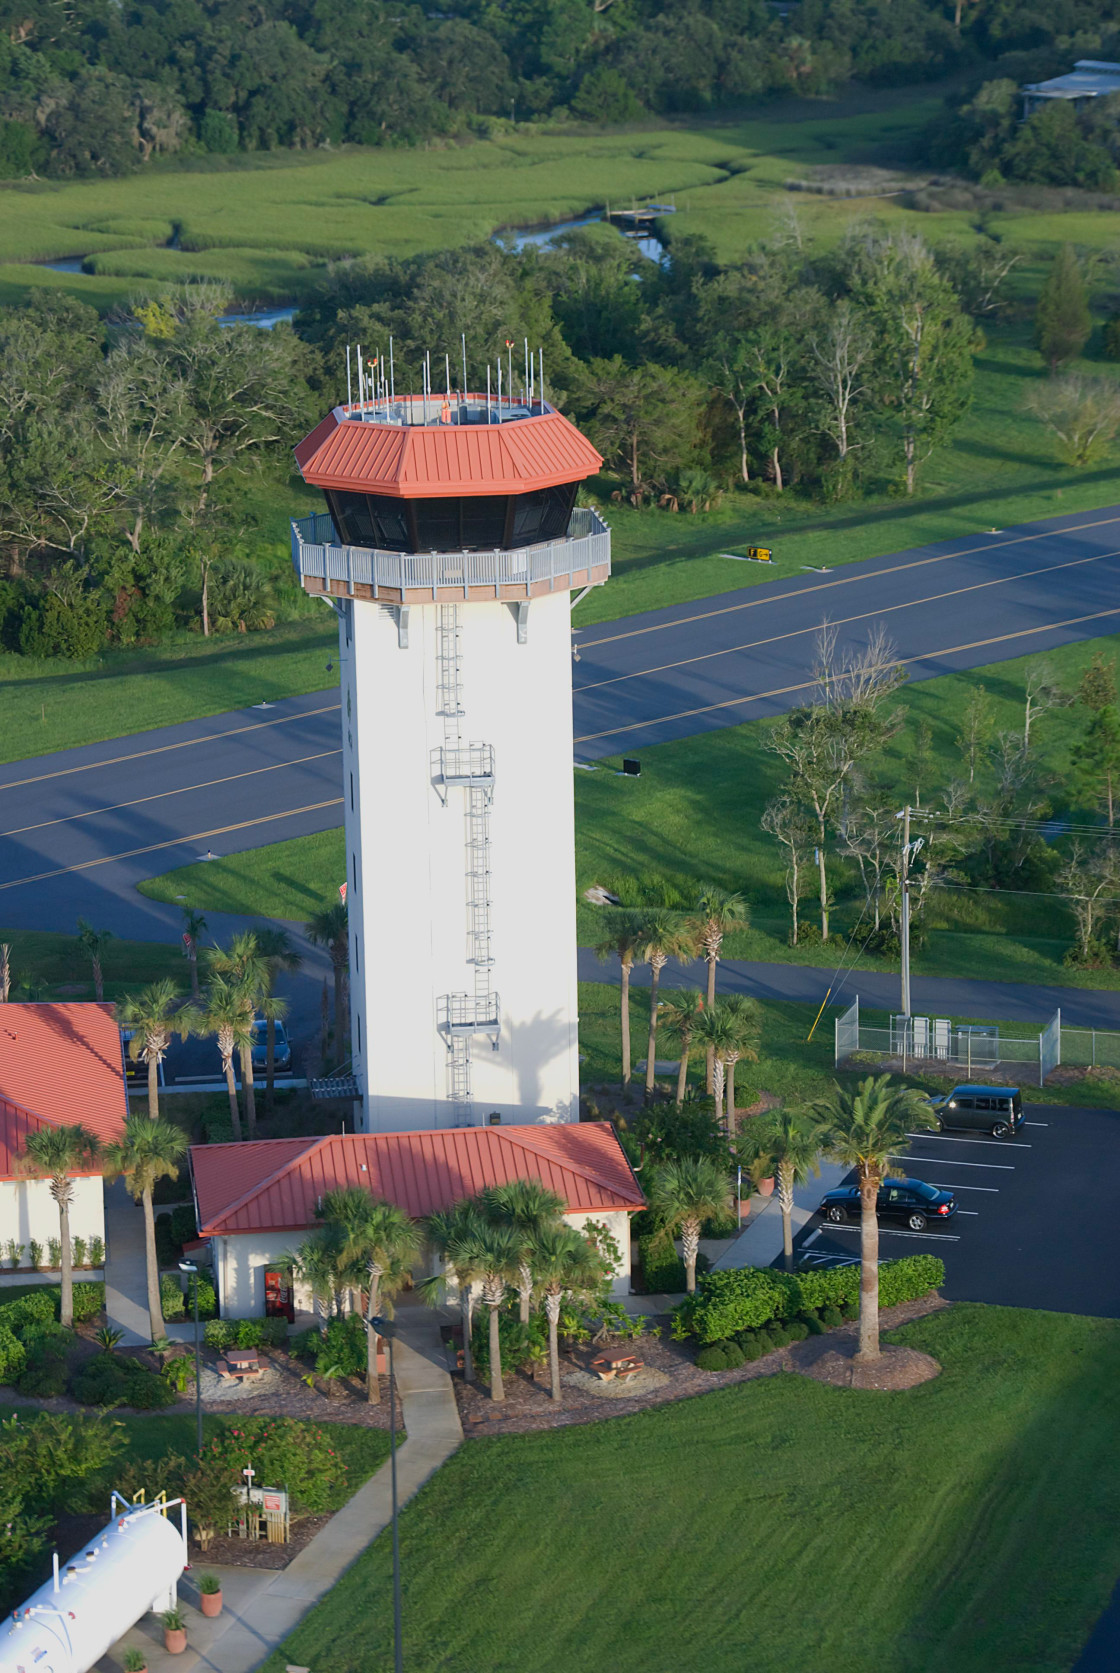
x=27, y=1210
x=406, y=862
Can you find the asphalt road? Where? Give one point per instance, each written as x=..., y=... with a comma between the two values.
x=80, y=828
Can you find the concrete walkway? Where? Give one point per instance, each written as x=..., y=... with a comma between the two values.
x=261, y=1609
x=760, y=1241
x=126, y=1281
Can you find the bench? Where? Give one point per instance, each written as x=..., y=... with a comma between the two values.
x=623, y=1366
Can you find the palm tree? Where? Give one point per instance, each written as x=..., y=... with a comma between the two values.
x=682, y=1195
x=717, y=1031
x=5, y=971
x=244, y=967
x=317, y=1263
x=565, y=1264
x=717, y=912
x=330, y=929
x=528, y=1209
x=745, y=1034
x=496, y=1251
x=454, y=1232
x=865, y=1128
x=154, y=1015
x=228, y=1015
x=57, y=1153
x=195, y=924
x=279, y=952
x=94, y=941
x=683, y=1010
x=664, y=936
x=624, y=942
x=149, y=1151
x=380, y=1241
x=787, y=1144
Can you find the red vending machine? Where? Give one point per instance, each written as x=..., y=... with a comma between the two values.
x=279, y=1301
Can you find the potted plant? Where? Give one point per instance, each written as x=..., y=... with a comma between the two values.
x=135, y=1661
x=210, y=1594
x=174, y=1632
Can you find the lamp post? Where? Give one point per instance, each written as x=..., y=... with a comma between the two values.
x=191, y=1267
x=385, y=1327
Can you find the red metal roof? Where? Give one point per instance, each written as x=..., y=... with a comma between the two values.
x=274, y=1184
x=445, y=459
x=59, y=1065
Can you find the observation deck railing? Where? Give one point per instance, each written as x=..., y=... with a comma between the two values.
x=323, y=565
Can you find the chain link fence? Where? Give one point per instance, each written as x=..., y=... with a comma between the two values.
x=937, y=1045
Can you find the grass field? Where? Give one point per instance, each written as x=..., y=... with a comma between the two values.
x=60, y=968
x=969, y=1525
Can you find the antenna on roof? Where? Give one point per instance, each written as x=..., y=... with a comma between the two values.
x=509, y=357
x=392, y=381
x=361, y=383
x=349, y=393
x=488, y=392
x=499, y=389
x=447, y=374
x=525, y=390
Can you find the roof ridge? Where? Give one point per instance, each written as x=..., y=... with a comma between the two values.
x=576, y=1167
x=271, y=1179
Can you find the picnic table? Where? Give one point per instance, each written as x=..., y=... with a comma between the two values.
x=239, y=1364
x=620, y=1365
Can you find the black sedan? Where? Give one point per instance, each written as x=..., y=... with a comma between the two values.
x=910, y=1200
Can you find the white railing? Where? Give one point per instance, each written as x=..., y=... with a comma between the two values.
x=317, y=555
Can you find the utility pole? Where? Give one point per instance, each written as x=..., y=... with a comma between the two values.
x=905, y=879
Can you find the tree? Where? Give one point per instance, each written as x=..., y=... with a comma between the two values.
x=1097, y=689
x=1062, y=321
x=496, y=1252
x=228, y=1015
x=839, y=354
x=5, y=971
x=57, y=1153
x=790, y=823
x=1082, y=413
x=716, y=1031
x=139, y=422
x=1090, y=883
x=976, y=729
x=528, y=1209
x=623, y=940
x=787, y=1144
x=94, y=943
x=745, y=1032
x=865, y=1128
x=642, y=418
x=1040, y=694
x=455, y=1232
x=717, y=913
x=245, y=968
x=330, y=929
x=194, y=923
x=682, y=1195
x=664, y=936
x=150, y=1151
x=154, y=1016
x=317, y=1263
x=565, y=1265
x=279, y=953
x=380, y=1242
x=682, y=1010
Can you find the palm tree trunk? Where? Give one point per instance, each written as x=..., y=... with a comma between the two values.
x=710, y=1002
x=731, y=1062
x=718, y=1082
x=625, y=1024
x=552, y=1308
x=690, y=1248
x=524, y=1290
x=497, y=1392
x=155, y=1310
x=651, y=1055
x=682, y=1073
x=98, y=981
x=66, y=1298
x=153, y=1087
x=245, y=1056
x=373, y=1381
x=785, y=1203
x=231, y=1088
x=869, y=1270
x=465, y=1312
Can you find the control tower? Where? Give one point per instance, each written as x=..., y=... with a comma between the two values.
x=450, y=550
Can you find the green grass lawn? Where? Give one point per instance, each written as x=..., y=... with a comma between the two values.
x=59, y=968
x=291, y=879
x=971, y=1525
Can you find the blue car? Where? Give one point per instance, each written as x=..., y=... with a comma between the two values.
x=282, y=1051
x=910, y=1200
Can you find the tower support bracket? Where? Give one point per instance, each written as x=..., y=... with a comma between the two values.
x=521, y=612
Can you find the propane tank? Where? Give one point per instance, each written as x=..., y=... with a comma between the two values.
x=130, y=1567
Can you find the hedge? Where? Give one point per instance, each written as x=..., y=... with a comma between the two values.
x=177, y=1299
x=13, y=1356
x=36, y=1307
x=662, y=1268
x=245, y=1333
x=727, y=1302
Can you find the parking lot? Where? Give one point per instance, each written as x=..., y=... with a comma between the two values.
x=1038, y=1216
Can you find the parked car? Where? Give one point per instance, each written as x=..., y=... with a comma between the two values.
x=909, y=1200
x=282, y=1054
x=986, y=1109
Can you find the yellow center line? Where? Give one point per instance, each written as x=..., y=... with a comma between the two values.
x=846, y=621
x=849, y=580
x=807, y=685
x=172, y=842
x=210, y=784
x=162, y=749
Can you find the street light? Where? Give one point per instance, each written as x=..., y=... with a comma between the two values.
x=190, y=1266
x=385, y=1327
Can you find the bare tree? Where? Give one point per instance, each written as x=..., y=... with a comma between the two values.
x=139, y=413
x=1089, y=883
x=1042, y=693
x=773, y=370
x=871, y=838
x=1083, y=414
x=790, y=823
x=976, y=729
x=839, y=353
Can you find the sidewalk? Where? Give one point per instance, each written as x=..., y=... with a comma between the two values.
x=760, y=1241
x=126, y=1281
x=261, y=1608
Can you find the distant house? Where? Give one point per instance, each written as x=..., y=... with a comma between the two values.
x=1090, y=78
x=60, y=1065
x=257, y=1201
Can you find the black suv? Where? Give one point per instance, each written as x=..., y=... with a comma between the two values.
x=984, y=1109
x=910, y=1200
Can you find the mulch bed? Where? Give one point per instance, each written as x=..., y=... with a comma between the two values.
x=835, y=1360
x=528, y=1406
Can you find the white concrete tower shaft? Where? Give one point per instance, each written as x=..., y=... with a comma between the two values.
x=458, y=788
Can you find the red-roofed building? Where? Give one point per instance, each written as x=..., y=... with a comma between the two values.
x=257, y=1201
x=61, y=1066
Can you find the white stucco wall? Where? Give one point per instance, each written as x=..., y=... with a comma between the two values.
x=406, y=862
x=617, y=1223
x=27, y=1210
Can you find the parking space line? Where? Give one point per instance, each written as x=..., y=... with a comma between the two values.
x=888, y=1231
x=946, y=1138
x=997, y=1167
x=1036, y=1124
x=811, y=1239
x=971, y=1212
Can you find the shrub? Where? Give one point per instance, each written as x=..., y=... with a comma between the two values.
x=281, y=1452
x=178, y=1373
x=812, y=1324
x=712, y=1358
x=242, y=1333
x=184, y=1226
x=900, y=1280
x=344, y=1346
x=112, y=1381
x=53, y=1457
x=751, y=1346
x=831, y=1317
x=662, y=1268
x=171, y=1297
x=13, y=1356
x=54, y=1252
x=796, y=1330
x=733, y=1355
x=741, y=1299
x=89, y=1297
x=36, y=1307
x=167, y=1251
x=44, y=1374
x=78, y=1250
x=209, y=1585
x=220, y=1333
x=97, y=1253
